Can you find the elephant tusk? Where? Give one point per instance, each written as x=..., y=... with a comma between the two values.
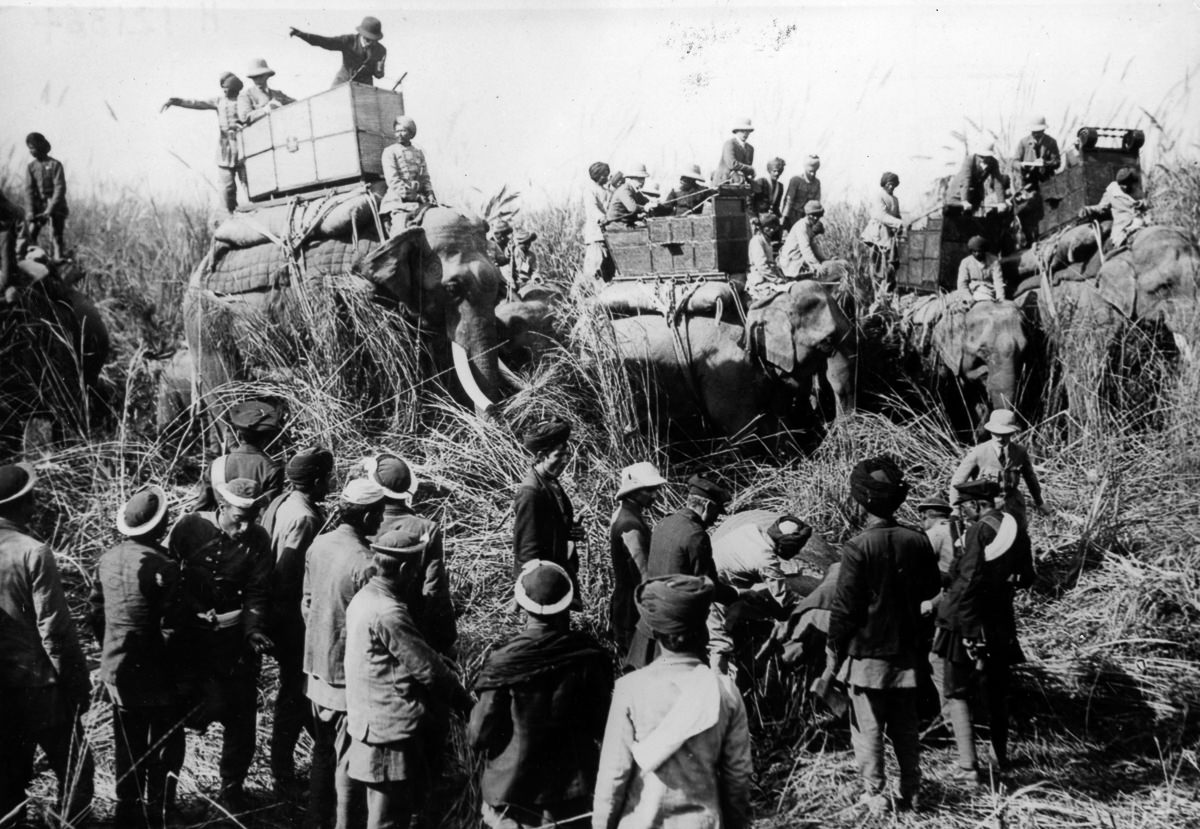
x=1185, y=348
x=462, y=367
x=511, y=377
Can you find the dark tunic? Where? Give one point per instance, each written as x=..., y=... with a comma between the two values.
x=361, y=64
x=629, y=542
x=542, y=525
x=247, y=461
x=136, y=588
x=429, y=600
x=543, y=703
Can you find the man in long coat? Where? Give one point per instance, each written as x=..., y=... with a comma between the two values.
x=737, y=156
x=363, y=56
x=1035, y=161
x=544, y=525
x=629, y=543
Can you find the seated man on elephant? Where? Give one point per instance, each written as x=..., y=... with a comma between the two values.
x=979, y=277
x=691, y=194
x=802, y=254
x=409, y=190
x=628, y=203
x=1120, y=203
x=765, y=279
x=499, y=242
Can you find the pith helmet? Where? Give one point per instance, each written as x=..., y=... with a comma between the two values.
x=692, y=171
x=143, y=512
x=743, y=124
x=1037, y=124
x=638, y=171
x=258, y=67
x=1002, y=422
x=637, y=476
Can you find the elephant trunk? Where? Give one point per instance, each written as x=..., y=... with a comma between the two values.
x=1002, y=373
x=473, y=348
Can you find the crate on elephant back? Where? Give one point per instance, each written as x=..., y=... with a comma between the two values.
x=331, y=138
x=710, y=243
x=1090, y=169
x=929, y=257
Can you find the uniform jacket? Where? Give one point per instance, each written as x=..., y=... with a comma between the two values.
x=981, y=280
x=768, y=196
x=736, y=157
x=705, y=784
x=542, y=524
x=885, y=220
x=978, y=603
x=595, y=211
x=429, y=601
x=136, y=590
x=887, y=571
x=46, y=188
x=38, y=643
x=626, y=205
x=686, y=199
x=1034, y=148
x=540, y=736
x=395, y=682
x=800, y=191
x=253, y=103
x=680, y=545
x=978, y=182
x=223, y=574
x=802, y=248
x=629, y=544
x=293, y=521
x=983, y=461
x=407, y=177
x=337, y=565
x=246, y=461
x=359, y=64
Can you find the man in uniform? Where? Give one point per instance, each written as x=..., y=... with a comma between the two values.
x=407, y=176
x=1119, y=203
x=801, y=190
x=874, y=630
x=628, y=204
x=293, y=521
x=1035, y=160
x=768, y=191
x=256, y=426
x=597, y=261
x=543, y=702
x=680, y=544
x=230, y=167
x=801, y=253
x=737, y=157
x=979, y=276
x=226, y=560
x=363, y=56
x=629, y=542
x=135, y=593
x=430, y=601
x=1002, y=460
x=399, y=690
x=691, y=195
x=337, y=565
x=44, y=685
x=258, y=99
x=544, y=525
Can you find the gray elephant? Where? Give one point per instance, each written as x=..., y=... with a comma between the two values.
x=53, y=345
x=974, y=360
x=437, y=276
x=750, y=380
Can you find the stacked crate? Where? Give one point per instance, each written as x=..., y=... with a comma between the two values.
x=708, y=244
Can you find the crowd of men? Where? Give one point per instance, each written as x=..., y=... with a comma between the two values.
x=356, y=610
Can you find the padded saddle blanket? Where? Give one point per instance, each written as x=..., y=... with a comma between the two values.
x=329, y=217
x=241, y=270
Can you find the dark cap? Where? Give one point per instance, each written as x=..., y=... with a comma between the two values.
x=254, y=416
x=790, y=534
x=977, y=244
x=934, y=502
x=371, y=28
x=311, y=465
x=980, y=489
x=400, y=543
x=698, y=485
x=878, y=484
x=1126, y=175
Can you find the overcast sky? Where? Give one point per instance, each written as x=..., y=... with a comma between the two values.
x=529, y=93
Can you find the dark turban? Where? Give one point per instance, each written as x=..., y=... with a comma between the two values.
x=977, y=244
x=598, y=172
x=887, y=178
x=790, y=534
x=309, y=466
x=38, y=142
x=675, y=605
x=879, y=485
x=1124, y=176
x=546, y=435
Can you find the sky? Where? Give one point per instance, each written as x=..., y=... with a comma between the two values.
x=527, y=93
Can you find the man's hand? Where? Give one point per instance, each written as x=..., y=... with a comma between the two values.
x=260, y=642
x=293, y=32
x=170, y=103
x=1044, y=510
x=926, y=607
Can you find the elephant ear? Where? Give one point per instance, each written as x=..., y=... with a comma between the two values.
x=948, y=334
x=396, y=268
x=1117, y=284
x=773, y=336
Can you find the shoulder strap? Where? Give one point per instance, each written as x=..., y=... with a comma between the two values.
x=218, y=472
x=1006, y=533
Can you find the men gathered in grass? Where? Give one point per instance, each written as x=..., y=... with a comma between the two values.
x=359, y=615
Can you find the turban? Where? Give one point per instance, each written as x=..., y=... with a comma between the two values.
x=546, y=435
x=1126, y=174
x=977, y=244
x=790, y=534
x=598, y=172
x=879, y=485
x=38, y=142
x=776, y=164
x=889, y=177
x=309, y=466
x=675, y=605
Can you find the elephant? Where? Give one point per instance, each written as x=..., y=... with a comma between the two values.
x=53, y=344
x=748, y=380
x=977, y=359
x=436, y=275
x=528, y=329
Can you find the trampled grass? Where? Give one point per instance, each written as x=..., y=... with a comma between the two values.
x=1105, y=710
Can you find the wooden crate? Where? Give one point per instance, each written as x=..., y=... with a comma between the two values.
x=1082, y=185
x=331, y=138
x=716, y=242
x=929, y=257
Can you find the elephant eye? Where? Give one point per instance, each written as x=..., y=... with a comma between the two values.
x=455, y=287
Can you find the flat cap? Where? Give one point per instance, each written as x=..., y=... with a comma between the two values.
x=980, y=489
x=699, y=485
x=254, y=415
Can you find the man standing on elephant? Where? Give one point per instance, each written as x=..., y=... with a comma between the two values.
x=363, y=56
x=736, y=166
x=258, y=99
x=802, y=254
x=407, y=176
x=800, y=191
x=979, y=190
x=544, y=524
x=45, y=196
x=430, y=601
x=293, y=521
x=629, y=541
x=768, y=191
x=227, y=563
x=979, y=276
x=597, y=261
x=1000, y=459
x=680, y=545
x=230, y=169
x=875, y=643
x=883, y=231
x=1035, y=160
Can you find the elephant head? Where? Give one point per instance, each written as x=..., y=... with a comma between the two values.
x=801, y=329
x=528, y=329
x=994, y=349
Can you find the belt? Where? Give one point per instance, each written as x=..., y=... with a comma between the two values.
x=224, y=620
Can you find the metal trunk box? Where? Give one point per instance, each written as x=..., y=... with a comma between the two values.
x=330, y=138
x=929, y=258
x=1101, y=153
x=716, y=242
